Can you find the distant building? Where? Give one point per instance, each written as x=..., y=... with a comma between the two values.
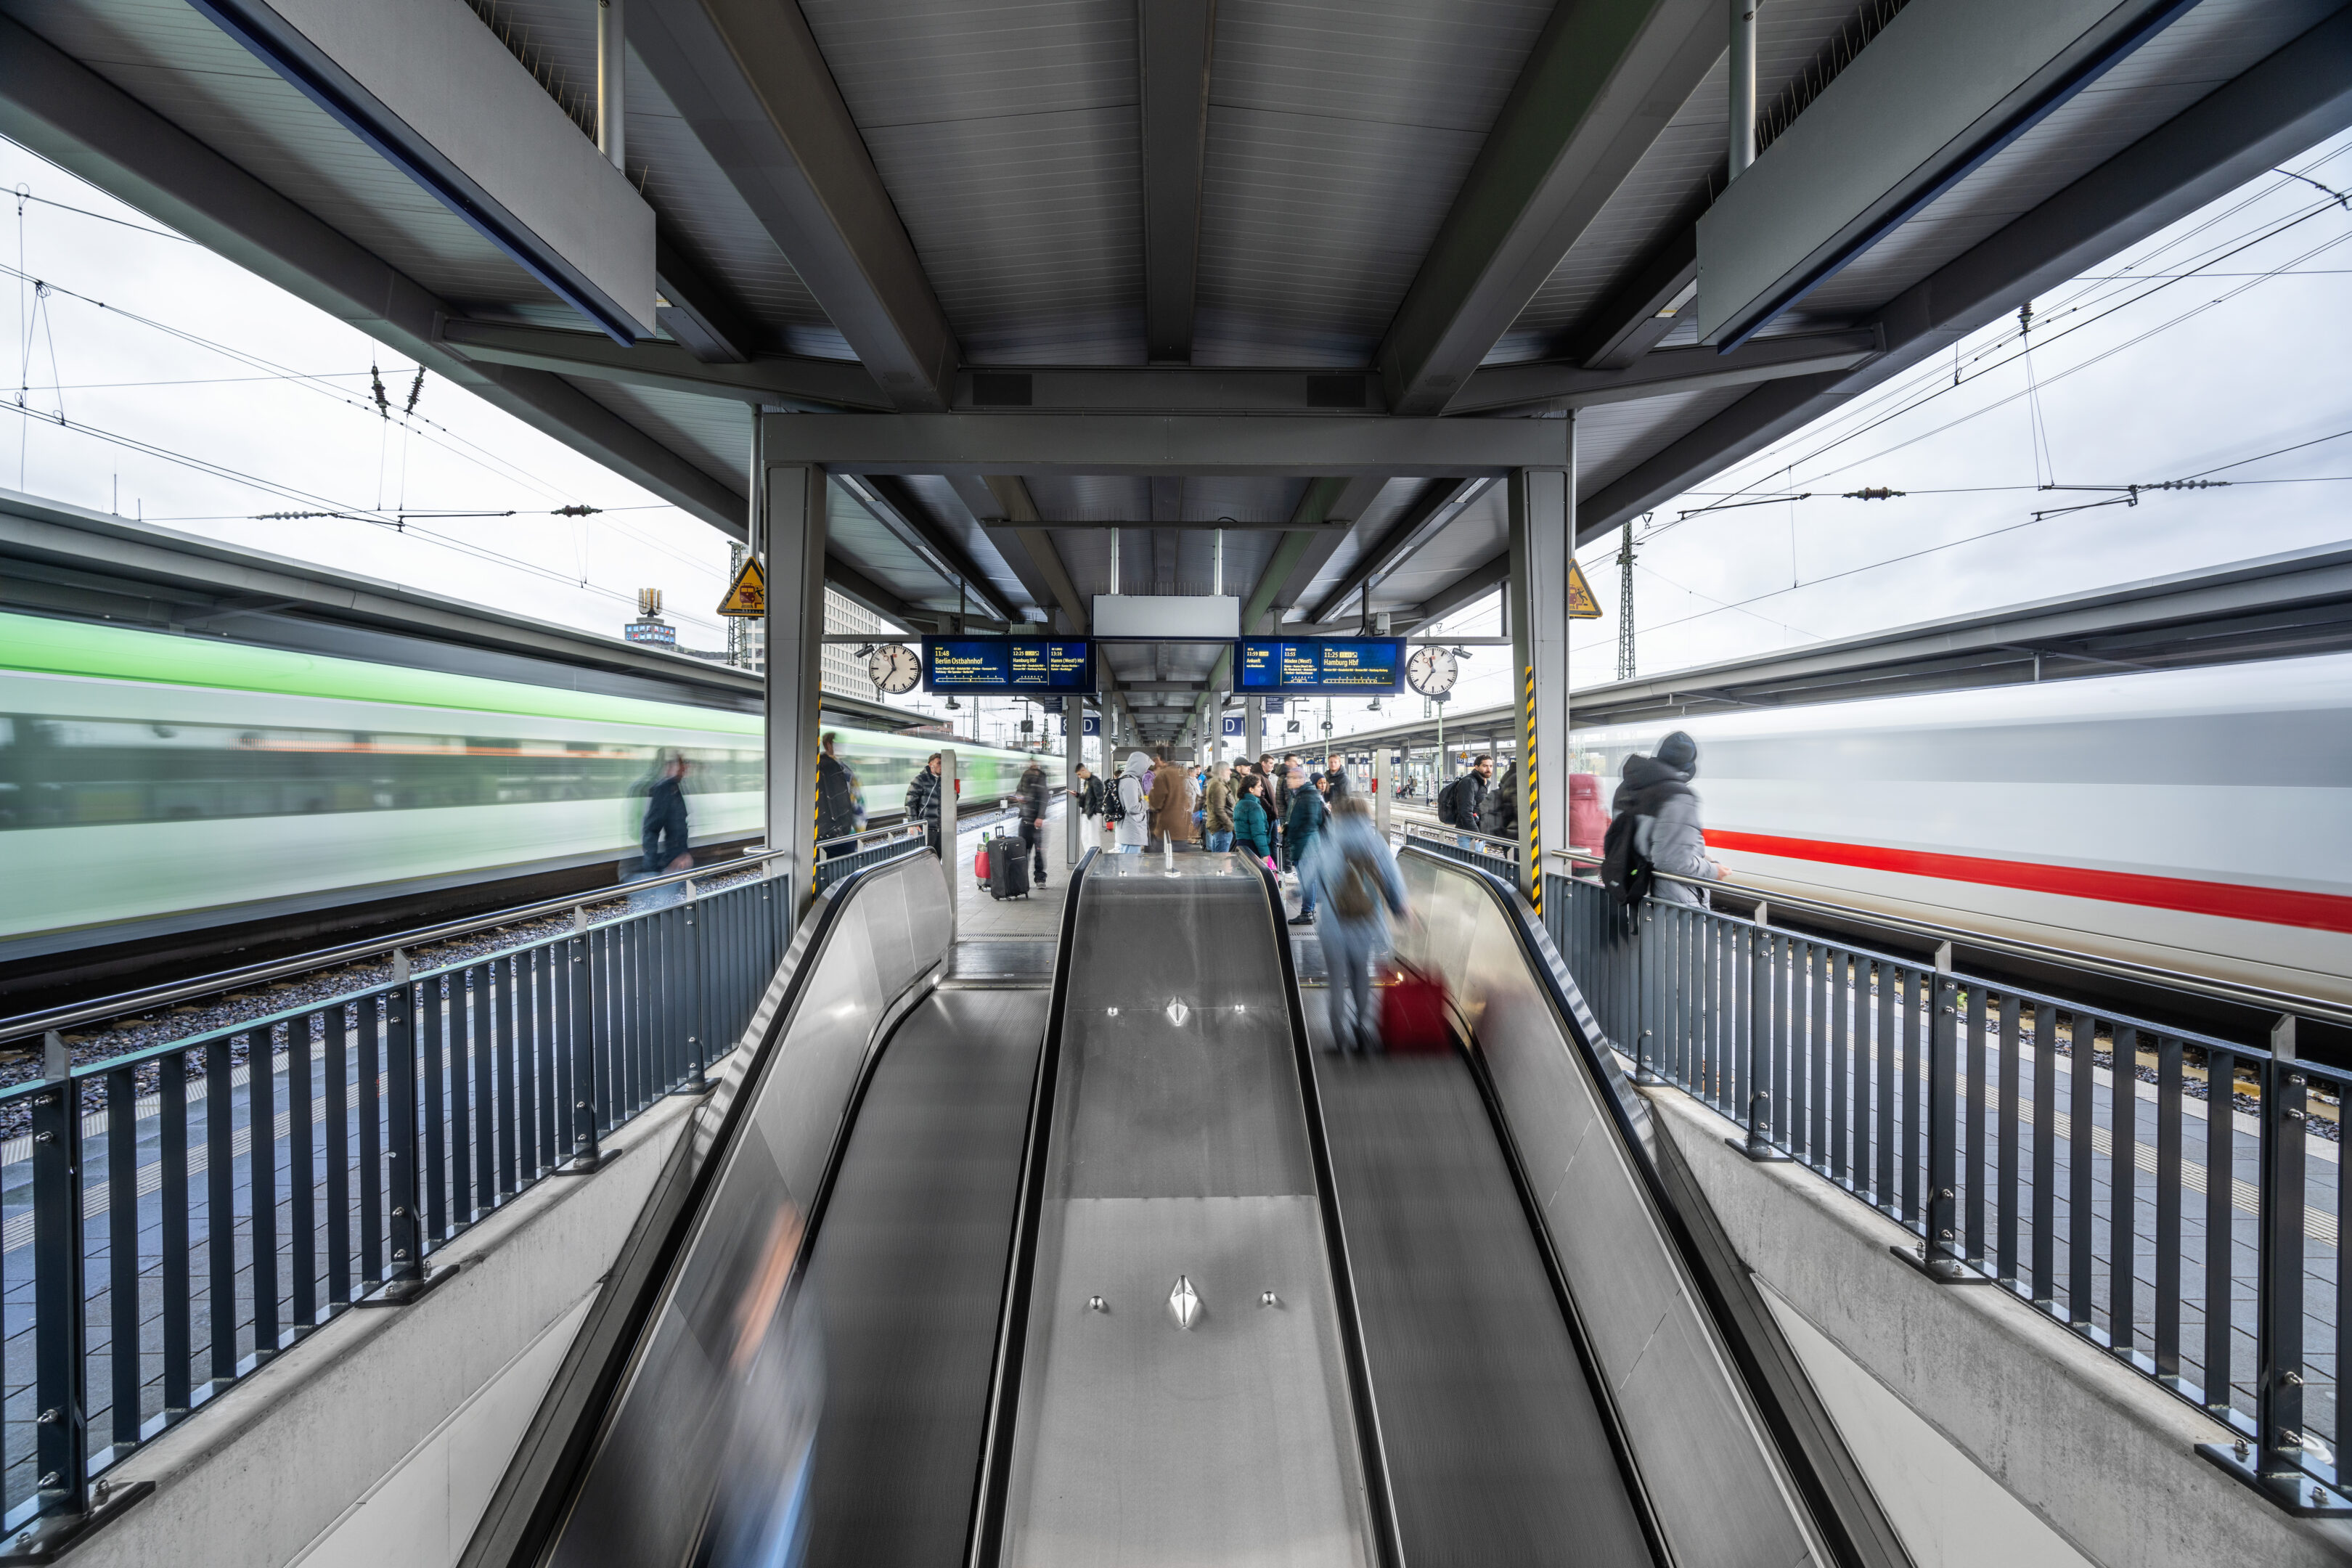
x=842, y=669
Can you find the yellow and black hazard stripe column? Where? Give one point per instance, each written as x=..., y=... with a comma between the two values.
x=1531, y=805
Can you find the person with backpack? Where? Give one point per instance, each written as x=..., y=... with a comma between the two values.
x=1034, y=807
x=1498, y=810
x=1086, y=800
x=1655, y=826
x=1307, y=815
x=1253, y=821
x=1350, y=868
x=1458, y=802
x=1129, y=804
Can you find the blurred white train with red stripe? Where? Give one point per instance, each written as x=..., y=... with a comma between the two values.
x=2196, y=820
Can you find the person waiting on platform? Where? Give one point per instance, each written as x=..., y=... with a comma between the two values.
x=1667, y=834
x=923, y=801
x=1135, y=804
x=1458, y=802
x=1217, y=809
x=1086, y=800
x=1349, y=870
x=1253, y=832
x=1307, y=815
x=1171, y=805
x=1033, y=803
x=837, y=802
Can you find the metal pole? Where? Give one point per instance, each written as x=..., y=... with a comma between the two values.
x=1758, y=1146
x=946, y=798
x=612, y=69
x=1742, y=149
x=2278, y=1352
x=60, y=1445
x=1074, y=751
x=1941, y=1257
x=1381, y=786
x=587, y=1155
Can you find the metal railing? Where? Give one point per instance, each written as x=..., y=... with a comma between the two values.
x=1500, y=855
x=179, y=1214
x=2157, y=1190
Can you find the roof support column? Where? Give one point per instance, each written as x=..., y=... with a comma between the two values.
x=1543, y=534
x=793, y=531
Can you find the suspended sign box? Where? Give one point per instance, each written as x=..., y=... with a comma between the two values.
x=1339, y=666
x=1007, y=665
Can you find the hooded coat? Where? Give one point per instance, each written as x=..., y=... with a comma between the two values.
x=1666, y=829
x=1135, y=828
x=1171, y=805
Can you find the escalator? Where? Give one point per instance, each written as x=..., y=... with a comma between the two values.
x=958, y=1272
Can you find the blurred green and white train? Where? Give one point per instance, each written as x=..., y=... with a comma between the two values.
x=149, y=779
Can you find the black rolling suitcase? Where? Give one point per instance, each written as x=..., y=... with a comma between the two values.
x=1008, y=867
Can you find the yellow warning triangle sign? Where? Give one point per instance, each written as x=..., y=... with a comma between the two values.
x=748, y=596
x=1582, y=605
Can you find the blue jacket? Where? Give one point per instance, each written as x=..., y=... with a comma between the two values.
x=1319, y=873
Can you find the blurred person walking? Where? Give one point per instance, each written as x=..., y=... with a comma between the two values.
x=923, y=801
x=1656, y=798
x=1035, y=803
x=1307, y=815
x=836, y=800
x=663, y=833
x=1351, y=871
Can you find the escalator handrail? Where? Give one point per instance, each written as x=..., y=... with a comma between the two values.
x=1388, y=1538
x=991, y=1483
x=1839, y=1503
x=521, y=1520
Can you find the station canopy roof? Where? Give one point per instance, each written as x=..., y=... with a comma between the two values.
x=1042, y=281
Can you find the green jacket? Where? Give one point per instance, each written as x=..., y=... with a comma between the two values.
x=1217, y=801
x=1252, y=829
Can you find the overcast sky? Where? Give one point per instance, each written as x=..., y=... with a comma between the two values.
x=2222, y=339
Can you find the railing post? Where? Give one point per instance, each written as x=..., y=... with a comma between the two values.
x=2275, y=1468
x=408, y=1277
x=1758, y=1144
x=1653, y=973
x=61, y=1446
x=587, y=1155
x=1939, y=1256
x=696, y=1023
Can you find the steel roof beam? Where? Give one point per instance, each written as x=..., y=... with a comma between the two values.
x=1021, y=510
x=898, y=510
x=696, y=312
x=1945, y=85
x=1663, y=371
x=1174, y=39
x=748, y=79
x=1437, y=505
x=1602, y=81
x=1644, y=309
x=78, y=120
x=764, y=379
x=2290, y=101
x=1145, y=445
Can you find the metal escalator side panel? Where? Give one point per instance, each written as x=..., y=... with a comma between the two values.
x=985, y=1538
x=762, y=1147
x=1715, y=1478
x=1184, y=1396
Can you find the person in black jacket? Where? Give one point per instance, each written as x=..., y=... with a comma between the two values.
x=1033, y=804
x=923, y=800
x=836, y=800
x=664, y=828
x=1086, y=800
x=1458, y=803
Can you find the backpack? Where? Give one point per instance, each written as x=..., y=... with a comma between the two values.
x=1449, y=803
x=1113, y=808
x=1624, y=869
x=1356, y=891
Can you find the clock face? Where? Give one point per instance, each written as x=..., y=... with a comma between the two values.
x=893, y=668
x=1431, y=670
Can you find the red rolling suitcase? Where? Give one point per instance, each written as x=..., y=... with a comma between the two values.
x=1413, y=1015
x=980, y=864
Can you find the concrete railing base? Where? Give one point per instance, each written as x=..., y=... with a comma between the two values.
x=258, y=1475
x=2100, y=1456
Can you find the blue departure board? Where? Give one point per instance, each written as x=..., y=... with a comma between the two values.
x=1009, y=665
x=1338, y=667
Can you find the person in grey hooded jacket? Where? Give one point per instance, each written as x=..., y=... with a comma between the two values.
x=1135, y=798
x=1666, y=831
